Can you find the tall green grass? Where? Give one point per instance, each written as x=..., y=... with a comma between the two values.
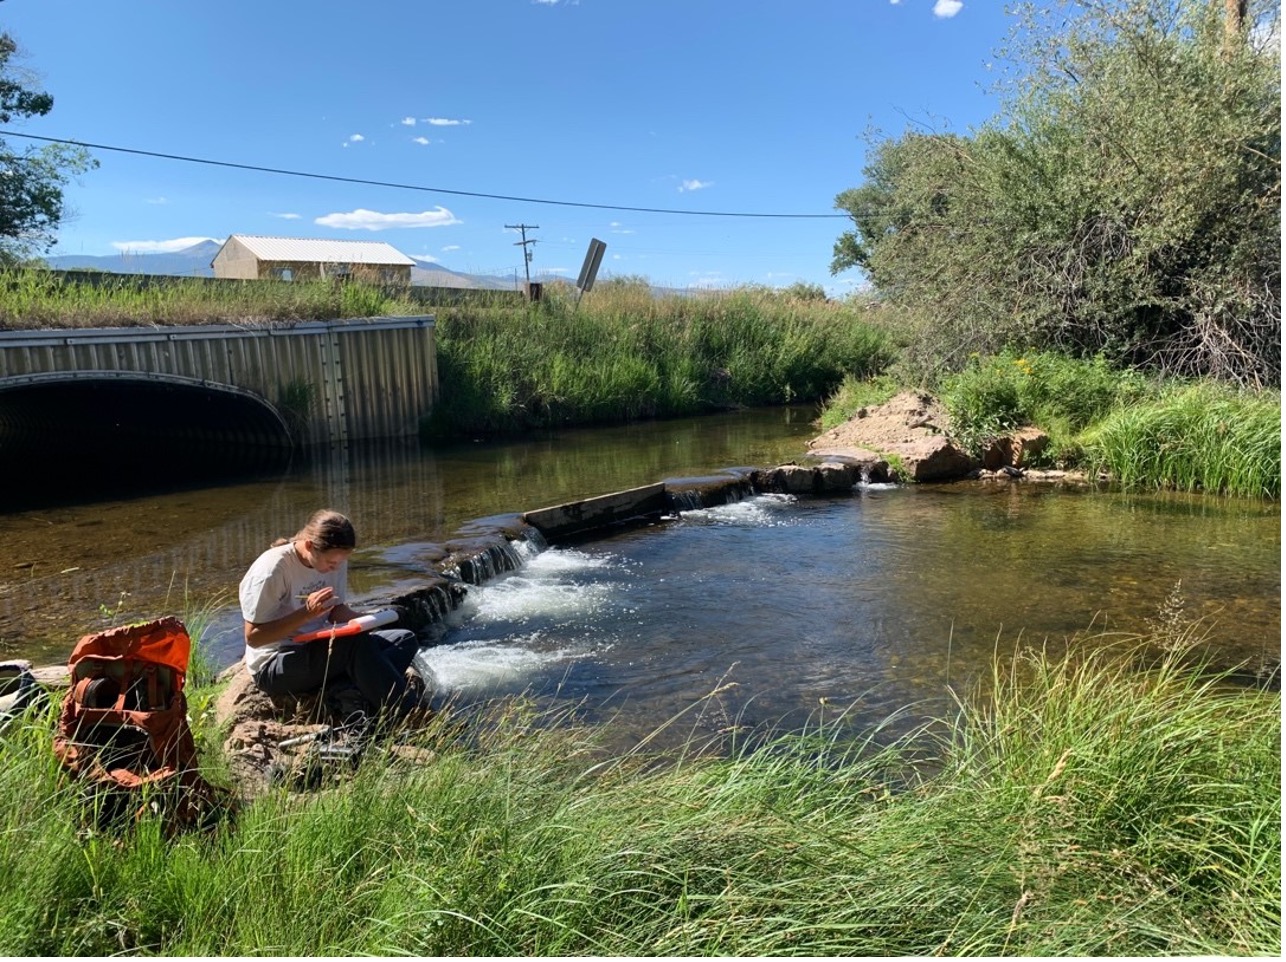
x=1115, y=803
x=625, y=354
x=853, y=394
x=618, y=354
x=35, y=299
x=1201, y=437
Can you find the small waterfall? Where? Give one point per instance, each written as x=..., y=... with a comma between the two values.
x=695, y=494
x=486, y=554
x=489, y=560
x=430, y=604
x=681, y=501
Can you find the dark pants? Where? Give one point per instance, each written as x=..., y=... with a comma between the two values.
x=375, y=661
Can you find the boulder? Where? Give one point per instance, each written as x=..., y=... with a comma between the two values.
x=1014, y=449
x=832, y=477
x=911, y=426
x=932, y=458
x=794, y=479
x=260, y=728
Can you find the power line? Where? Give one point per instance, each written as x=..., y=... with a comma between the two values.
x=418, y=187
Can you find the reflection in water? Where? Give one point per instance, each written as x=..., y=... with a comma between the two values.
x=142, y=556
x=870, y=604
x=880, y=599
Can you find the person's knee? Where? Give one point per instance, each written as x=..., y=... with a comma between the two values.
x=401, y=638
x=401, y=643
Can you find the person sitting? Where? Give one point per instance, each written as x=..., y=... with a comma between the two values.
x=300, y=585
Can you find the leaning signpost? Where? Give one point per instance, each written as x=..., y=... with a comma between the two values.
x=589, y=270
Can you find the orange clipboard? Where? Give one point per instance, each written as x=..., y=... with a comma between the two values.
x=351, y=627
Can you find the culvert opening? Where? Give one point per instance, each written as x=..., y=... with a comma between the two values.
x=68, y=441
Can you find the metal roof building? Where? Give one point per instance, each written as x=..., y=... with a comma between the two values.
x=256, y=257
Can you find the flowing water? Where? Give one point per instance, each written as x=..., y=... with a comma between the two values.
x=774, y=611
x=770, y=611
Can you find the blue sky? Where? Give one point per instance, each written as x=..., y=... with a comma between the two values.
x=665, y=106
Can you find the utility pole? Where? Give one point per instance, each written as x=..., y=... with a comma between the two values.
x=526, y=254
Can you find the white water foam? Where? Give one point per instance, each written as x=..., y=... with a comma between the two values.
x=485, y=664
x=521, y=625
x=763, y=510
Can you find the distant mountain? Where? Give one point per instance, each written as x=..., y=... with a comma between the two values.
x=435, y=275
x=192, y=261
x=195, y=261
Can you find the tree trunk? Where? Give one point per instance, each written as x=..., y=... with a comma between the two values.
x=1234, y=21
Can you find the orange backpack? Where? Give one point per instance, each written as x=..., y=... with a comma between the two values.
x=124, y=720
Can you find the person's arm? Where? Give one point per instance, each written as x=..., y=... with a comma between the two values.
x=319, y=602
x=342, y=613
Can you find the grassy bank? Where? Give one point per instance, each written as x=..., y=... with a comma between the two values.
x=1113, y=804
x=35, y=300
x=1194, y=437
x=623, y=354
x=1143, y=433
x=616, y=355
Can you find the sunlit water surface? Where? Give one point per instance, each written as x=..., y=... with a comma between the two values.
x=775, y=612
x=771, y=611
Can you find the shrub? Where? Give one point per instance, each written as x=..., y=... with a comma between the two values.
x=1063, y=395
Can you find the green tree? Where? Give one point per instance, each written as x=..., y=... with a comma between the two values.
x=1126, y=200
x=31, y=180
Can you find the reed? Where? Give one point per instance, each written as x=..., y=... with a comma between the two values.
x=621, y=356
x=1121, y=801
x=35, y=299
x=1195, y=437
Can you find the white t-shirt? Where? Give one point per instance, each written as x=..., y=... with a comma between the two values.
x=274, y=587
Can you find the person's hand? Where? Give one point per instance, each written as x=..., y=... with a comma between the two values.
x=320, y=601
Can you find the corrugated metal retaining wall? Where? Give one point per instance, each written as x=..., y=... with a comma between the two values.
x=330, y=381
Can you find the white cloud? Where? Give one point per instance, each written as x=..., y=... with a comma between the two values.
x=362, y=219
x=445, y=122
x=422, y=141
x=161, y=246
x=287, y=216
x=354, y=139
x=947, y=8
x=424, y=258
x=693, y=184
x=157, y=200
x=408, y=121
x=450, y=247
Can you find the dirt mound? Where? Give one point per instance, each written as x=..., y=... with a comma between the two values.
x=903, y=419
x=913, y=429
